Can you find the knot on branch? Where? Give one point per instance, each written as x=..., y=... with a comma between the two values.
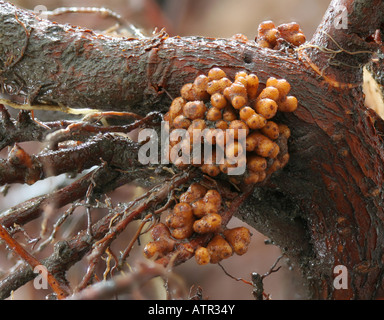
x=62, y=250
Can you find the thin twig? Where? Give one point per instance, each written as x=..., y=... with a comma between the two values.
x=56, y=286
x=232, y=277
x=135, y=209
x=272, y=269
x=123, y=283
x=126, y=252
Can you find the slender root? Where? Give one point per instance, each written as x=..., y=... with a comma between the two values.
x=56, y=286
x=126, y=252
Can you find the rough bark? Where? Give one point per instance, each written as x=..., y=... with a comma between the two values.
x=326, y=207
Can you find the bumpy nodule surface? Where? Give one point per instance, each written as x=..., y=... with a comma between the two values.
x=198, y=213
x=214, y=110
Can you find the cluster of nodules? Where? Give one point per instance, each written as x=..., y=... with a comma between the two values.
x=214, y=110
x=270, y=36
x=198, y=213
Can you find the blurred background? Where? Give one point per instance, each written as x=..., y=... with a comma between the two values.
x=211, y=18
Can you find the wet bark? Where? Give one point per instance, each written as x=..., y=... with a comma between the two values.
x=326, y=207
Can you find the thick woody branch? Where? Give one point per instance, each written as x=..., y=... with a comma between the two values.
x=24, y=128
x=344, y=41
x=92, y=71
x=105, y=179
x=22, y=168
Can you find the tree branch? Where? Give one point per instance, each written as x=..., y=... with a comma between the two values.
x=22, y=168
x=344, y=41
x=67, y=253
